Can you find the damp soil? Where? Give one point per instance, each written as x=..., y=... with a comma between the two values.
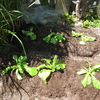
x=62, y=85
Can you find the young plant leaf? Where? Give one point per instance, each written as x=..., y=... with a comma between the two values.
x=54, y=40
x=47, y=61
x=48, y=38
x=86, y=38
x=95, y=82
x=76, y=34
x=41, y=66
x=87, y=80
x=32, y=71
x=82, y=71
x=54, y=59
x=30, y=33
x=60, y=66
x=97, y=66
x=44, y=74
x=60, y=37
x=18, y=75
x=20, y=68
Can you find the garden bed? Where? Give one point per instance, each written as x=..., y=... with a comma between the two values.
x=63, y=84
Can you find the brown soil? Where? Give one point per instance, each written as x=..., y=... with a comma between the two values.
x=62, y=85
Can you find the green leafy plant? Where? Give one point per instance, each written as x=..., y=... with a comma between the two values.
x=50, y=67
x=84, y=38
x=89, y=75
x=54, y=37
x=21, y=67
x=69, y=19
x=91, y=20
x=30, y=33
x=44, y=70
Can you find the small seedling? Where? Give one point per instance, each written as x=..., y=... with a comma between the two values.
x=49, y=67
x=30, y=33
x=84, y=38
x=91, y=20
x=54, y=37
x=21, y=67
x=89, y=75
x=43, y=71
x=69, y=19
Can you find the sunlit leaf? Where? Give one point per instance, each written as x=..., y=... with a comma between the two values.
x=96, y=82
x=82, y=71
x=44, y=74
x=31, y=71
x=87, y=80
x=18, y=75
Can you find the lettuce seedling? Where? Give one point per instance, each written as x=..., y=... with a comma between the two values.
x=54, y=37
x=76, y=34
x=21, y=67
x=84, y=38
x=69, y=19
x=30, y=33
x=89, y=75
x=49, y=67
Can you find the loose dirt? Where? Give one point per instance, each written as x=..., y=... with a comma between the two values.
x=62, y=85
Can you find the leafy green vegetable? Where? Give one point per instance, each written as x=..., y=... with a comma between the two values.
x=91, y=20
x=21, y=67
x=84, y=38
x=44, y=74
x=49, y=67
x=54, y=37
x=69, y=18
x=76, y=34
x=30, y=33
x=89, y=75
x=43, y=70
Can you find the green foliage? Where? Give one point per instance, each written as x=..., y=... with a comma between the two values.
x=54, y=37
x=21, y=67
x=91, y=20
x=84, y=38
x=30, y=33
x=12, y=33
x=12, y=4
x=69, y=19
x=49, y=67
x=44, y=71
x=8, y=19
x=89, y=75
